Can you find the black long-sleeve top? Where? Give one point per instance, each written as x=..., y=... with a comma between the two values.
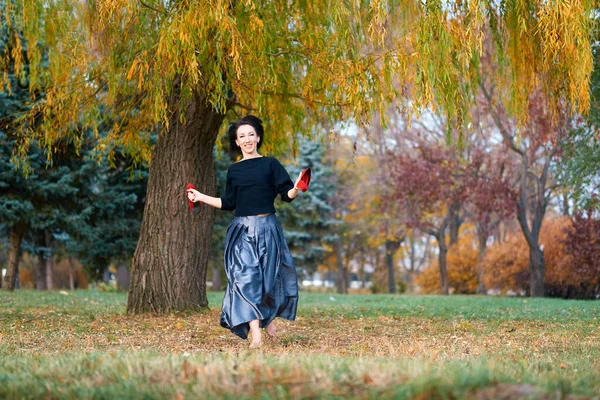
x=253, y=185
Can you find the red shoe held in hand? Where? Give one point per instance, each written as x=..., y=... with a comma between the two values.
x=193, y=206
x=304, y=181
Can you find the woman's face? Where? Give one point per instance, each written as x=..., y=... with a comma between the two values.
x=247, y=139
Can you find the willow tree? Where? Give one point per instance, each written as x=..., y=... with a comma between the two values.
x=179, y=67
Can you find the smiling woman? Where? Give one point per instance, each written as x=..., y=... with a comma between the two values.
x=247, y=137
x=261, y=278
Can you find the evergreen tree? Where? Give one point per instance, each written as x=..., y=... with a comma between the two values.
x=308, y=219
x=222, y=220
x=110, y=205
x=40, y=205
x=15, y=211
x=73, y=198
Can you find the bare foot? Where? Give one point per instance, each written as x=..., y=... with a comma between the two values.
x=256, y=335
x=271, y=330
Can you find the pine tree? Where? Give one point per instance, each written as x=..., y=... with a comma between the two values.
x=40, y=204
x=15, y=211
x=308, y=219
x=222, y=220
x=110, y=205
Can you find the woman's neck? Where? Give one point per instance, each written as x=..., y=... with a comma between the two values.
x=249, y=156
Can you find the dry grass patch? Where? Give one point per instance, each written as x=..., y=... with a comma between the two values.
x=85, y=346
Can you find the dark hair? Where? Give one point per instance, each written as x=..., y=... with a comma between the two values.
x=251, y=120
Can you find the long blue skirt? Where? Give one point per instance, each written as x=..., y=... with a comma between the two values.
x=261, y=278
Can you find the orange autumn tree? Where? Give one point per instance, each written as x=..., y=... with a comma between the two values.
x=462, y=267
x=355, y=209
x=178, y=68
x=506, y=264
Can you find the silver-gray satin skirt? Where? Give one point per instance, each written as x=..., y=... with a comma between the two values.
x=261, y=278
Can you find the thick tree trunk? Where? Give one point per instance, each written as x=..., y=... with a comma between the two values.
x=14, y=254
x=536, y=255
x=532, y=235
x=169, y=265
x=49, y=262
x=340, y=280
x=391, y=246
x=442, y=256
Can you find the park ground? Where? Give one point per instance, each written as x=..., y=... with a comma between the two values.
x=82, y=344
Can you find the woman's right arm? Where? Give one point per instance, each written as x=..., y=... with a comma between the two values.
x=226, y=202
x=211, y=201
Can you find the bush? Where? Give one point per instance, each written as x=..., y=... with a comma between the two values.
x=582, y=247
x=571, y=257
x=571, y=254
x=107, y=287
x=506, y=264
x=28, y=267
x=462, y=268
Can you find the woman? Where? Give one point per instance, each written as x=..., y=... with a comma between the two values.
x=261, y=277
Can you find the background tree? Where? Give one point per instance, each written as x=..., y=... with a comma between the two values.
x=490, y=179
x=308, y=220
x=582, y=246
x=536, y=146
x=579, y=166
x=430, y=187
x=390, y=217
x=570, y=254
x=110, y=204
x=39, y=205
x=15, y=212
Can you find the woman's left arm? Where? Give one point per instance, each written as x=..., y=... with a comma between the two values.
x=283, y=183
x=293, y=192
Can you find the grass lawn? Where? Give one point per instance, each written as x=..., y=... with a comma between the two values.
x=83, y=345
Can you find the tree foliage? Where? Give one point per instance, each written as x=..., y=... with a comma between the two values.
x=582, y=245
x=462, y=268
x=281, y=59
x=308, y=220
x=579, y=169
x=568, y=272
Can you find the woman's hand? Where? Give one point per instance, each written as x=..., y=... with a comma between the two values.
x=194, y=195
x=297, y=180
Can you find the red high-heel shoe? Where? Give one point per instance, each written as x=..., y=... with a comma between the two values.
x=195, y=207
x=304, y=181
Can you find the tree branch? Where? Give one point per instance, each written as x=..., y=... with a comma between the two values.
x=503, y=130
x=150, y=7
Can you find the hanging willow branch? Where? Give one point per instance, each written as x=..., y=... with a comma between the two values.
x=341, y=59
